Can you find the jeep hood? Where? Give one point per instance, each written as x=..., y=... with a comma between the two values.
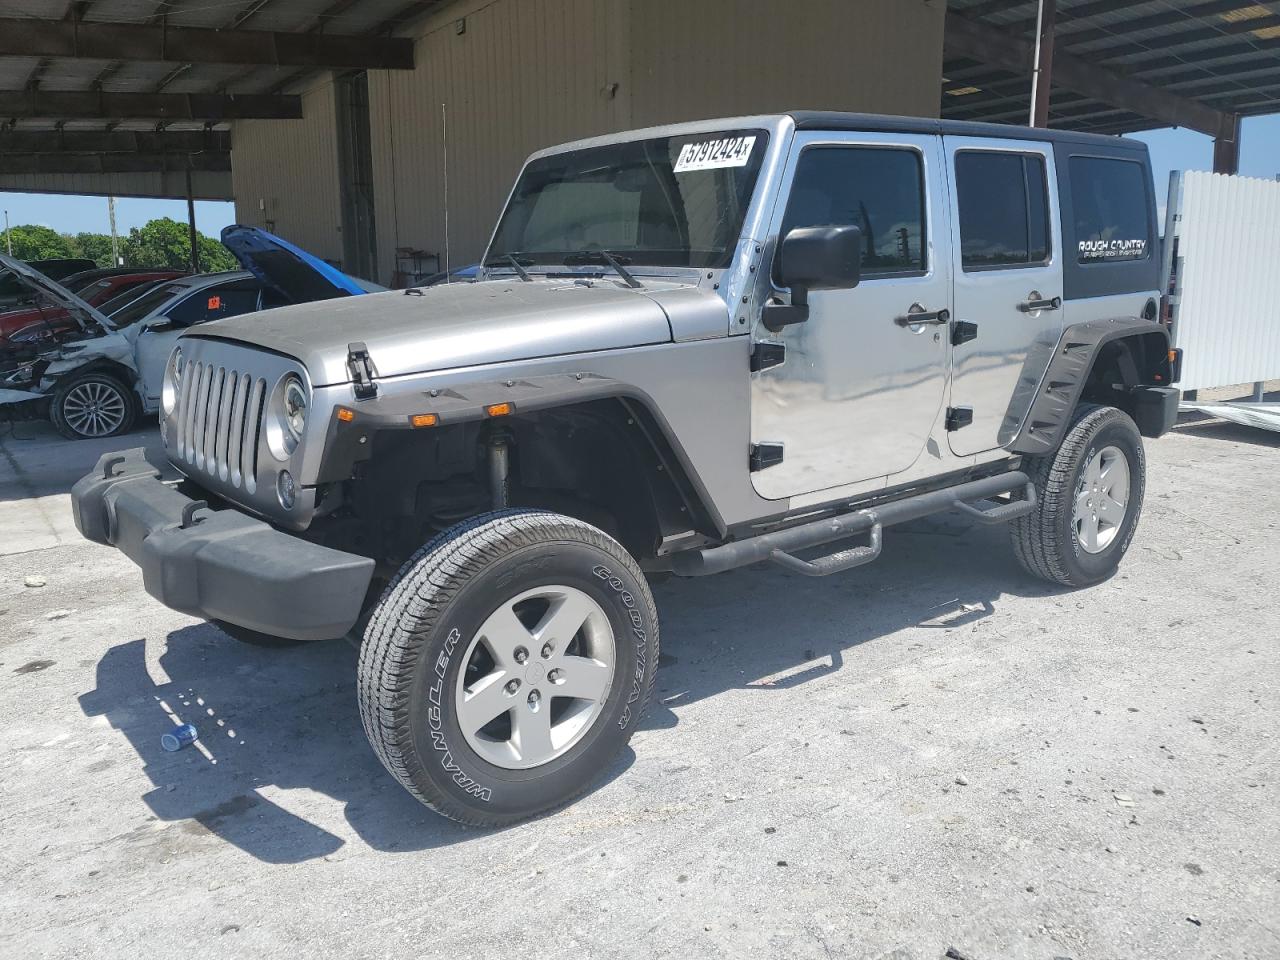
x=456, y=325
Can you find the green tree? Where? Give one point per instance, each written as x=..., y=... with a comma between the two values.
x=33, y=242
x=164, y=242
x=95, y=246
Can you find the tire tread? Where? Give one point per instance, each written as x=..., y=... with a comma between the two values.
x=407, y=612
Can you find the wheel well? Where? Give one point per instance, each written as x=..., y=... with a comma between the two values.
x=1125, y=363
x=606, y=462
x=102, y=366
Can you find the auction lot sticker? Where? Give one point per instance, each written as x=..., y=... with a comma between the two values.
x=714, y=154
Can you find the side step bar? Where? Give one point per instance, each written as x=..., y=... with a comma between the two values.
x=779, y=545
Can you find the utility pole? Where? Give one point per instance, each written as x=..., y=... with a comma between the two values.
x=115, y=240
x=191, y=227
x=1041, y=78
x=8, y=237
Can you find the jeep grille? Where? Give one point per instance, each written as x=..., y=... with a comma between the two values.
x=217, y=417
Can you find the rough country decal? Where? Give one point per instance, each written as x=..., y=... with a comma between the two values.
x=637, y=628
x=714, y=154
x=435, y=722
x=1113, y=249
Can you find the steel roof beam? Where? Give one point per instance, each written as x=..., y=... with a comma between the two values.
x=95, y=105
x=161, y=43
x=116, y=141
x=988, y=44
x=13, y=163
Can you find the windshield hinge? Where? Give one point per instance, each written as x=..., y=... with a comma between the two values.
x=362, y=371
x=764, y=455
x=959, y=417
x=766, y=354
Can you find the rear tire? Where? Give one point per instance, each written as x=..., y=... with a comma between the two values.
x=507, y=665
x=1089, y=494
x=92, y=406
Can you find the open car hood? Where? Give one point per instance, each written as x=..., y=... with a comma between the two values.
x=90, y=319
x=290, y=270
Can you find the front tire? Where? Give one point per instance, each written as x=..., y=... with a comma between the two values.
x=92, y=406
x=507, y=664
x=1089, y=495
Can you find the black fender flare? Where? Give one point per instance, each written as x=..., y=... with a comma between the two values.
x=1068, y=371
x=351, y=429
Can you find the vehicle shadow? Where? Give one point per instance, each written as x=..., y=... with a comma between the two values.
x=277, y=720
x=270, y=721
x=765, y=629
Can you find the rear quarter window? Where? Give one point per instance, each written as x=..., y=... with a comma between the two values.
x=1109, y=200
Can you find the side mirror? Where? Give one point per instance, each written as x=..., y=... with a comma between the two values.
x=814, y=258
x=158, y=325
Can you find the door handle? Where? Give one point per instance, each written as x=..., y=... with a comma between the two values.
x=918, y=315
x=1037, y=303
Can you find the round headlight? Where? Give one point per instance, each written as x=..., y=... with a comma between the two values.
x=172, y=382
x=287, y=420
x=295, y=408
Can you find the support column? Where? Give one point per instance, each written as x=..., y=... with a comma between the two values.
x=1226, y=149
x=1042, y=76
x=191, y=227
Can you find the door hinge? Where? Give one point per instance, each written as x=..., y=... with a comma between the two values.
x=766, y=354
x=962, y=331
x=362, y=373
x=958, y=417
x=765, y=455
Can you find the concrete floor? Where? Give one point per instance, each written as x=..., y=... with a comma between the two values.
x=933, y=752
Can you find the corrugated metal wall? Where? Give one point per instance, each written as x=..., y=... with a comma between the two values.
x=285, y=173
x=525, y=74
x=1228, y=281
x=715, y=58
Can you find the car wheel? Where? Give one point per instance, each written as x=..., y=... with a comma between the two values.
x=253, y=637
x=507, y=664
x=93, y=405
x=1089, y=498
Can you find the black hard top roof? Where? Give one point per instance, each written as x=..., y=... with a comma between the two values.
x=875, y=122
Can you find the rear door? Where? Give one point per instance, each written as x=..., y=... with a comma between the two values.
x=1008, y=284
x=860, y=388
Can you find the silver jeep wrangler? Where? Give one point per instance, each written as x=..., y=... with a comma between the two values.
x=690, y=348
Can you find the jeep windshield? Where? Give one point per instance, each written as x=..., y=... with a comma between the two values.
x=666, y=202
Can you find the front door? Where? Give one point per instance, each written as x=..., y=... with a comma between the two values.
x=860, y=387
x=1008, y=283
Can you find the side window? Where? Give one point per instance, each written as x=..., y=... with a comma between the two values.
x=1004, y=209
x=1111, y=217
x=211, y=303
x=880, y=189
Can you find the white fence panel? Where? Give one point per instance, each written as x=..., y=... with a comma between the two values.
x=1227, y=308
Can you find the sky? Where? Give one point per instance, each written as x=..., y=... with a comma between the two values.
x=73, y=214
x=1171, y=149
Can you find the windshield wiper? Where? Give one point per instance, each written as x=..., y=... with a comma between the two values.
x=607, y=258
x=512, y=260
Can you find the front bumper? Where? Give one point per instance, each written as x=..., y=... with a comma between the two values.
x=218, y=564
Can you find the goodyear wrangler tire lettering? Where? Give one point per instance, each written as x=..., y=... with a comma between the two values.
x=637, y=628
x=426, y=630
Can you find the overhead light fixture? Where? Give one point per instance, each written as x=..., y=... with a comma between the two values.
x=963, y=91
x=1240, y=14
